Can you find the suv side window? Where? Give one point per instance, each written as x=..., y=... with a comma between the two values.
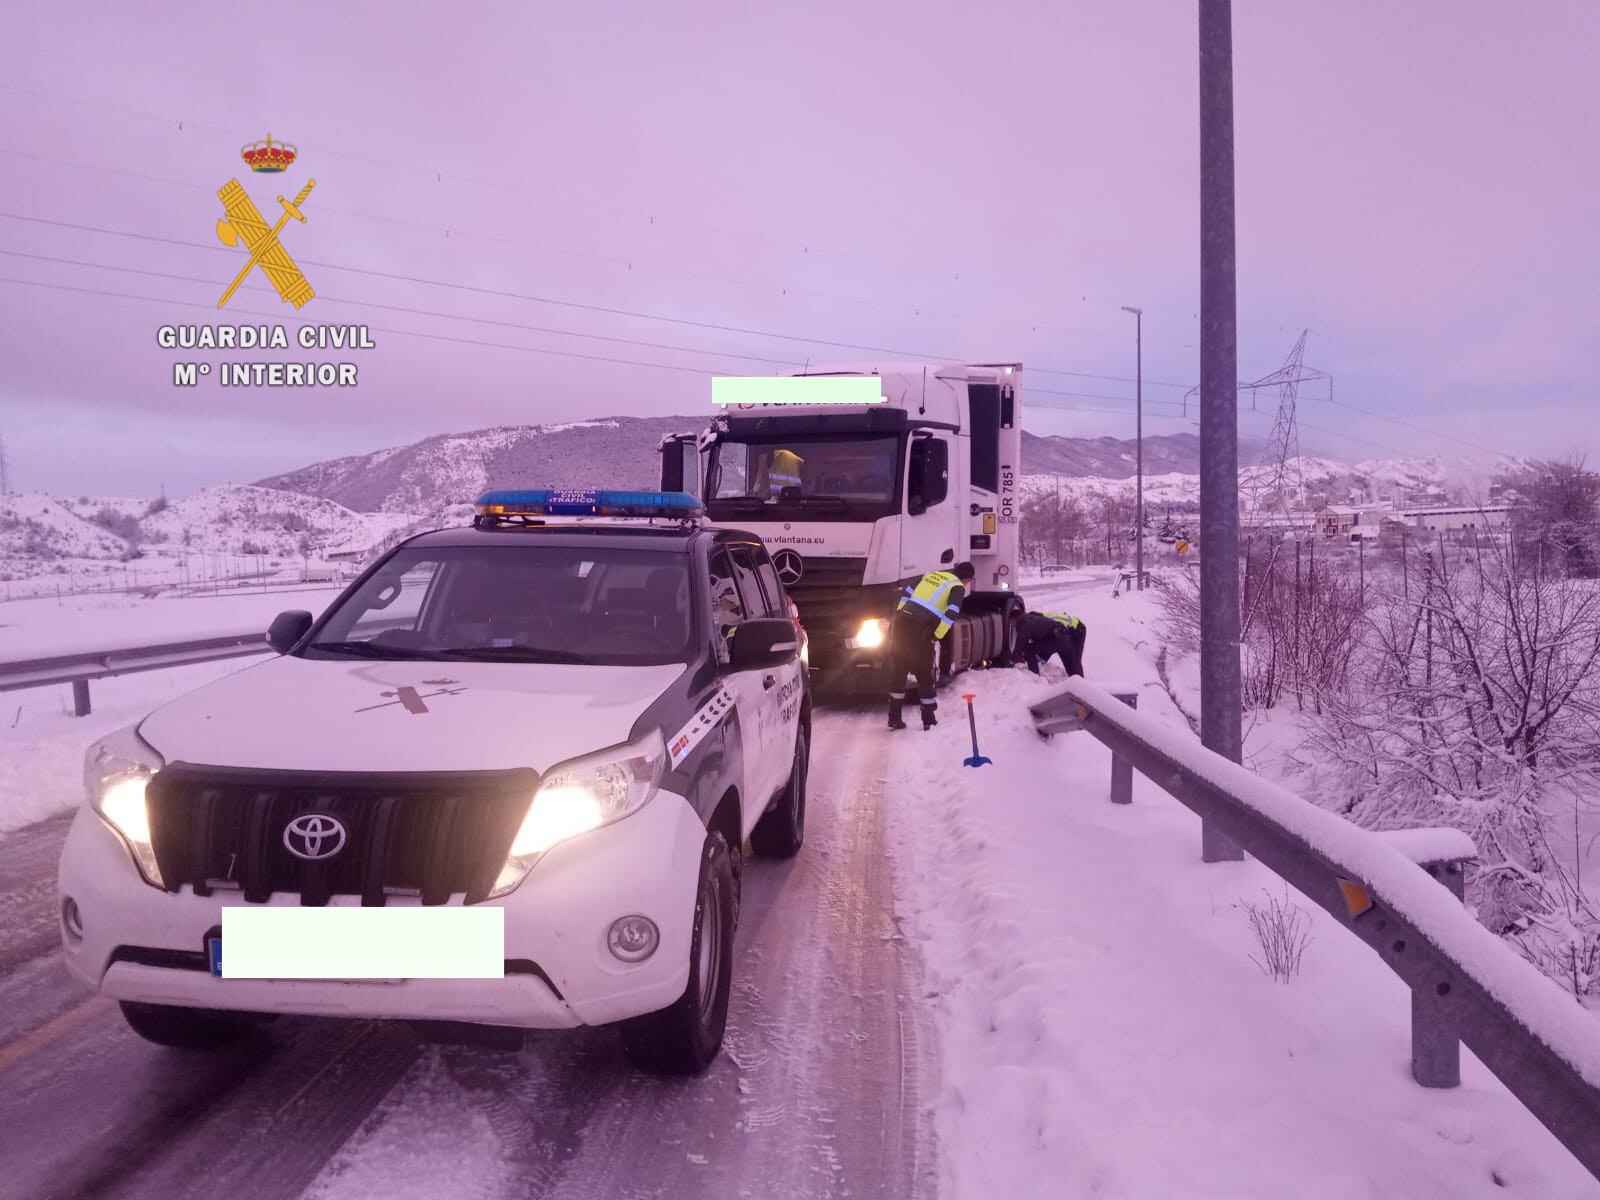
x=777, y=601
x=744, y=570
x=727, y=610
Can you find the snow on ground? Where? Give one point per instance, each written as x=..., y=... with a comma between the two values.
x=1104, y=1030
x=45, y=626
x=42, y=743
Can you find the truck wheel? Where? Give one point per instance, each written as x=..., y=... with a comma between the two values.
x=1010, y=634
x=782, y=829
x=186, y=1028
x=683, y=1038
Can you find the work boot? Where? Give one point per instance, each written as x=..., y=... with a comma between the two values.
x=894, y=714
x=929, y=720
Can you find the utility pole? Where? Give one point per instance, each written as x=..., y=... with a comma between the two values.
x=1220, y=692
x=1138, y=439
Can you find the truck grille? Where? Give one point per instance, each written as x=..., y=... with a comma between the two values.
x=431, y=835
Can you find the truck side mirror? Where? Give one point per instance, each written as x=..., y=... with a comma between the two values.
x=680, y=464
x=928, y=476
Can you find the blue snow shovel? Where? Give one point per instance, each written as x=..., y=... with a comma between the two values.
x=974, y=759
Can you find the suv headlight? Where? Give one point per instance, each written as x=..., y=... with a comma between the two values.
x=116, y=770
x=580, y=795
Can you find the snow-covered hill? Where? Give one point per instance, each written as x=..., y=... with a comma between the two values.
x=428, y=475
x=241, y=519
x=36, y=526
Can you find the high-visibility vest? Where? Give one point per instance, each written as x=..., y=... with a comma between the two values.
x=933, y=593
x=1066, y=620
x=784, y=471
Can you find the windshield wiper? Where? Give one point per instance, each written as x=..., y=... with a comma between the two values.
x=513, y=654
x=840, y=501
x=371, y=650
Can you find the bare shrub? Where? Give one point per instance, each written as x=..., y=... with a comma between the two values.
x=1282, y=930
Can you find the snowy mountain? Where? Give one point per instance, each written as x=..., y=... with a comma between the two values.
x=456, y=468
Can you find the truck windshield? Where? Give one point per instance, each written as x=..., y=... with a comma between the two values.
x=839, y=477
x=516, y=603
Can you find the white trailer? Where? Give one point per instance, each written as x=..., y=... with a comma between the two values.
x=857, y=501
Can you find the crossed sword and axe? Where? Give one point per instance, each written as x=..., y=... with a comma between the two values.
x=279, y=267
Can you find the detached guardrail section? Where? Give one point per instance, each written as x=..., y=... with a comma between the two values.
x=1466, y=983
x=79, y=668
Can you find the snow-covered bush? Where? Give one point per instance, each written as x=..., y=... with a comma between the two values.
x=1473, y=701
x=1298, y=621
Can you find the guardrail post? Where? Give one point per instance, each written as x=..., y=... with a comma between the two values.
x=80, y=697
x=1435, y=1041
x=1121, y=768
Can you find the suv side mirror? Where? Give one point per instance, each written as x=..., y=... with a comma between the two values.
x=928, y=476
x=287, y=628
x=762, y=643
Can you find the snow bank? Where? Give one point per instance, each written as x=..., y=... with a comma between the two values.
x=1103, y=1029
x=1389, y=874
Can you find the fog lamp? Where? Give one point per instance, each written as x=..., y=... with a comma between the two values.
x=633, y=939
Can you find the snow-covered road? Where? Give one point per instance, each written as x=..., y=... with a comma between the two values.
x=825, y=1089
x=968, y=984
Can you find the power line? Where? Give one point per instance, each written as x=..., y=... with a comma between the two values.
x=1419, y=428
x=522, y=190
x=422, y=312
x=62, y=287
x=565, y=251
x=504, y=324
x=525, y=296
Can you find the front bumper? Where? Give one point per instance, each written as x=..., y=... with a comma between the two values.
x=648, y=863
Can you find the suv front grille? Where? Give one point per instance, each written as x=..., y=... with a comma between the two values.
x=432, y=835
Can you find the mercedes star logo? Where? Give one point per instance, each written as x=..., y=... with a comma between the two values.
x=790, y=566
x=312, y=836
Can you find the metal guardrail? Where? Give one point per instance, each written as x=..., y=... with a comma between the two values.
x=79, y=668
x=1466, y=983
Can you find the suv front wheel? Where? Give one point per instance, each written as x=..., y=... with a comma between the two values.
x=684, y=1038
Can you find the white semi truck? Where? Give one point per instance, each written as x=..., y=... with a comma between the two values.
x=857, y=501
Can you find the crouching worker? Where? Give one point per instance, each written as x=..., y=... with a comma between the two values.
x=922, y=619
x=1053, y=633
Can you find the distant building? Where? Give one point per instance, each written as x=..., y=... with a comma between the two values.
x=1456, y=518
x=1340, y=520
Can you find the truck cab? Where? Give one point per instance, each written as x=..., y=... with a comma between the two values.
x=858, y=501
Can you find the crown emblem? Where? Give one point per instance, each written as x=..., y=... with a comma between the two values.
x=268, y=157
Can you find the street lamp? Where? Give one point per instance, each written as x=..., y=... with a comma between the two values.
x=1138, y=511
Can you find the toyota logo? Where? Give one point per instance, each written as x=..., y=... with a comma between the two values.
x=313, y=836
x=790, y=566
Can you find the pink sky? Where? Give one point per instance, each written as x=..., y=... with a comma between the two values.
x=1416, y=185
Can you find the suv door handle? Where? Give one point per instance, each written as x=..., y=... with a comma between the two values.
x=769, y=682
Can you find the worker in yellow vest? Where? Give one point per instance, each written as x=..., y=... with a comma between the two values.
x=1054, y=633
x=924, y=616
x=783, y=471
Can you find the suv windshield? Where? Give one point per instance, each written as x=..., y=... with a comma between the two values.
x=516, y=603
x=854, y=477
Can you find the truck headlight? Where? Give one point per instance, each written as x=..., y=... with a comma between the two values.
x=116, y=771
x=581, y=795
x=871, y=635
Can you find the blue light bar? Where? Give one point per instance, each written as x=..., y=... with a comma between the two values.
x=587, y=502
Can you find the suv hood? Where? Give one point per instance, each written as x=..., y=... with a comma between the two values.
x=333, y=715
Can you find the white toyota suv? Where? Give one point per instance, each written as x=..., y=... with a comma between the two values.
x=578, y=710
